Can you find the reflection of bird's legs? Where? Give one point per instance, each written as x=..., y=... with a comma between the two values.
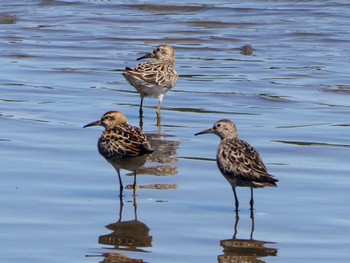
x=120, y=183
x=135, y=208
x=236, y=199
x=236, y=225
x=251, y=199
x=158, y=120
x=158, y=115
x=134, y=184
x=121, y=204
x=158, y=109
x=253, y=225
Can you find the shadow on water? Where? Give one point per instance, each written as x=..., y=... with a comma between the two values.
x=7, y=19
x=245, y=250
x=300, y=143
x=127, y=235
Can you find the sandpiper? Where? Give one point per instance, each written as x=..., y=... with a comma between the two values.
x=238, y=161
x=121, y=144
x=154, y=78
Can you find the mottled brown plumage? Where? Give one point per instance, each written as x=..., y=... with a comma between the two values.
x=154, y=78
x=121, y=144
x=238, y=161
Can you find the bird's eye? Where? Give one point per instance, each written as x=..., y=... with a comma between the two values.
x=218, y=125
x=158, y=49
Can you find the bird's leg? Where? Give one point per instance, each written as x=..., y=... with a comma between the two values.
x=141, y=122
x=141, y=113
x=141, y=105
x=120, y=184
x=158, y=114
x=160, y=99
x=236, y=199
x=251, y=199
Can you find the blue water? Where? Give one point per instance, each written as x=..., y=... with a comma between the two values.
x=61, y=69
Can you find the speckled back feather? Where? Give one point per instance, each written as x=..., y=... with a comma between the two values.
x=122, y=141
x=151, y=73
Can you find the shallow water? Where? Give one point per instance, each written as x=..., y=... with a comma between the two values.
x=61, y=69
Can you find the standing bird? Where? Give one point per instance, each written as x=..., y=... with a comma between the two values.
x=121, y=144
x=238, y=161
x=154, y=78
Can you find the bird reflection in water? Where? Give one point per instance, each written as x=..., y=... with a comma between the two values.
x=161, y=163
x=127, y=235
x=245, y=250
x=119, y=258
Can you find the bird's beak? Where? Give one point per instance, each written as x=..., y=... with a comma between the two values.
x=95, y=123
x=149, y=55
x=205, y=132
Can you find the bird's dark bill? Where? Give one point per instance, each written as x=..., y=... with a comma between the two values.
x=204, y=132
x=95, y=123
x=150, y=55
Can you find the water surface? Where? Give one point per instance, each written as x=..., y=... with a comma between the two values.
x=61, y=69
